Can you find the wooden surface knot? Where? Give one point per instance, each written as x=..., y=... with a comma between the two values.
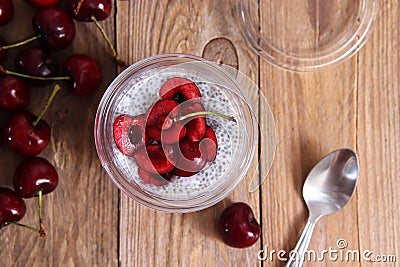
x=221, y=51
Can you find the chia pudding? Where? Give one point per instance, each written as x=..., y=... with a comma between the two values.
x=140, y=94
x=136, y=89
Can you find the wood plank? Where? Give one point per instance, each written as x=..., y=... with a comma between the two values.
x=378, y=137
x=81, y=215
x=151, y=238
x=315, y=113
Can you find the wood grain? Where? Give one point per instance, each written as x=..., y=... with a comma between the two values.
x=81, y=215
x=179, y=239
x=378, y=139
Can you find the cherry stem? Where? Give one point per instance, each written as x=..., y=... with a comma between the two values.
x=78, y=6
x=49, y=100
x=26, y=226
x=110, y=45
x=24, y=42
x=194, y=114
x=42, y=232
x=9, y=72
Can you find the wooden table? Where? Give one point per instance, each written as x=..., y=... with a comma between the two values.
x=355, y=104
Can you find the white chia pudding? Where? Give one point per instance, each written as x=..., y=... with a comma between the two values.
x=140, y=93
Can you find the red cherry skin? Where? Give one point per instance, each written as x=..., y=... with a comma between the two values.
x=238, y=227
x=85, y=73
x=154, y=178
x=128, y=133
x=35, y=174
x=36, y=61
x=180, y=88
x=42, y=3
x=21, y=136
x=164, y=109
x=55, y=26
x=175, y=133
x=155, y=159
x=195, y=126
x=209, y=144
x=12, y=206
x=84, y=10
x=6, y=11
x=14, y=94
x=189, y=158
x=3, y=53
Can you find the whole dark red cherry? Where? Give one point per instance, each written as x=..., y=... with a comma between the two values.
x=14, y=94
x=42, y=3
x=84, y=10
x=85, y=73
x=6, y=11
x=36, y=61
x=238, y=227
x=12, y=206
x=3, y=53
x=23, y=137
x=35, y=174
x=55, y=26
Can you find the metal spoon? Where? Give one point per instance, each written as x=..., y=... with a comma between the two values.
x=328, y=188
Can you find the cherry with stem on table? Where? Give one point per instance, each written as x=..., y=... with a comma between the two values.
x=53, y=26
x=27, y=134
x=12, y=209
x=83, y=73
x=35, y=177
x=36, y=61
x=94, y=11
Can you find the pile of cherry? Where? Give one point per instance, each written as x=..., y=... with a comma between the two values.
x=172, y=138
x=28, y=134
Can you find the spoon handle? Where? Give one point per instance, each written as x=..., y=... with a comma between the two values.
x=297, y=254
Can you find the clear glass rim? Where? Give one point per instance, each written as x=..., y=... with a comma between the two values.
x=116, y=175
x=280, y=59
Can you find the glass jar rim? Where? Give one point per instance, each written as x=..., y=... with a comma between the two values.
x=134, y=191
x=277, y=55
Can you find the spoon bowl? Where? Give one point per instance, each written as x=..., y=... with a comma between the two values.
x=332, y=182
x=328, y=188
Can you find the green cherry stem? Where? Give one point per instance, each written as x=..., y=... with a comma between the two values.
x=24, y=42
x=199, y=113
x=42, y=232
x=110, y=45
x=26, y=226
x=48, y=102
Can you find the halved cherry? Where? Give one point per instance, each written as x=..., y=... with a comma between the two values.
x=158, y=116
x=175, y=133
x=153, y=159
x=164, y=122
x=189, y=158
x=209, y=144
x=129, y=133
x=161, y=108
x=154, y=178
x=195, y=126
x=179, y=89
